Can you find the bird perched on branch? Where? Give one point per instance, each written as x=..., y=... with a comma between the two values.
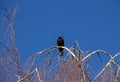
x=60, y=42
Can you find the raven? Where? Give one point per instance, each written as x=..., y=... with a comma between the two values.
x=60, y=42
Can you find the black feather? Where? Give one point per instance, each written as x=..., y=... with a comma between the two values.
x=60, y=42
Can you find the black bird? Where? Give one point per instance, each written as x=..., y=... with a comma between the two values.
x=60, y=42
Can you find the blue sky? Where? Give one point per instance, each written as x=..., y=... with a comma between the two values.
x=94, y=23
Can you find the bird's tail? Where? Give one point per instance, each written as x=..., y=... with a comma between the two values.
x=61, y=53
